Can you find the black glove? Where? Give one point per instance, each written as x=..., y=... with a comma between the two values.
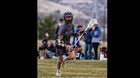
x=81, y=32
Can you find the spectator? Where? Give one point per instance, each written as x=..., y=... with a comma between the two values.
x=96, y=33
x=46, y=37
x=50, y=49
x=61, y=22
x=42, y=48
x=77, y=32
x=103, y=53
x=88, y=45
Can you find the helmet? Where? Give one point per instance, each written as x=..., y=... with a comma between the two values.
x=68, y=14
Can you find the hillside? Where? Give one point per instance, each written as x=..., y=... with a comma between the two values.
x=46, y=7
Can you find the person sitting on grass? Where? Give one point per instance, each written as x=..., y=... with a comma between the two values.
x=103, y=53
x=42, y=49
x=50, y=49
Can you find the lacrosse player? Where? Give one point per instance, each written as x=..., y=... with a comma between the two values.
x=63, y=45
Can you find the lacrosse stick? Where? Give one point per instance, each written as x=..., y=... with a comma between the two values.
x=90, y=25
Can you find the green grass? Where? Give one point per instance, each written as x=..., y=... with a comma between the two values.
x=74, y=69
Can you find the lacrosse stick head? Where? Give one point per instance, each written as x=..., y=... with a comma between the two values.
x=92, y=22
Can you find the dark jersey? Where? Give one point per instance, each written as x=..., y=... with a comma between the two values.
x=57, y=29
x=66, y=32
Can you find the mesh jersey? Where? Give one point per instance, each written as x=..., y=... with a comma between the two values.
x=66, y=32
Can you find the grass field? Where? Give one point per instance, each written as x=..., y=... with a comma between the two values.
x=74, y=69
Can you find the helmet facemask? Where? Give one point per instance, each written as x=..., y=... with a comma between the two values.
x=68, y=17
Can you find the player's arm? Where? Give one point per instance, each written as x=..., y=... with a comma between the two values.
x=60, y=43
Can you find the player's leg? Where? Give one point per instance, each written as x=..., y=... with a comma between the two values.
x=59, y=61
x=59, y=52
x=71, y=56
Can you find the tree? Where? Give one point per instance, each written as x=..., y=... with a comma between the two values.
x=46, y=25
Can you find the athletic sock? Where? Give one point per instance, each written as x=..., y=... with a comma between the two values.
x=58, y=70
